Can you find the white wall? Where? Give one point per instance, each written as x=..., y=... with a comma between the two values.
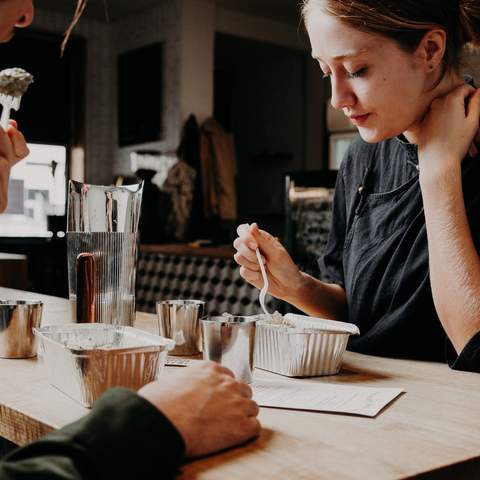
x=104, y=42
x=157, y=24
x=197, y=37
x=187, y=28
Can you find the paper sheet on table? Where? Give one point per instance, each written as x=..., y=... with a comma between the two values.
x=322, y=397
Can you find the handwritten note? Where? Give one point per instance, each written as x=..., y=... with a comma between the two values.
x=322, y=397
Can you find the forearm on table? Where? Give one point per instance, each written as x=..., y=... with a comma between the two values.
x=319, y=299
x=453, y=259
x=124, y=436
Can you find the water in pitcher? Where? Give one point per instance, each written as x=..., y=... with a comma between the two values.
x=102, y=226
x=115, y=259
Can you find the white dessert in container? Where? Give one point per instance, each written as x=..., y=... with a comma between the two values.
x=301, y=346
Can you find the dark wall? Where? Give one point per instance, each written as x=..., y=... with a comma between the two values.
x=52, y=108
x=260, y=96
x=140, y=96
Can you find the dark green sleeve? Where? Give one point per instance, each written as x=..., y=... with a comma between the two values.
x=124, y=436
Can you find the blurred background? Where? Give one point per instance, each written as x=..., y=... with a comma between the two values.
x=216, y=105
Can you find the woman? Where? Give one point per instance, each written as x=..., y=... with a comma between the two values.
x=403, y=249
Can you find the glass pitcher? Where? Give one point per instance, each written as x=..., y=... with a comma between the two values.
x=102, y=227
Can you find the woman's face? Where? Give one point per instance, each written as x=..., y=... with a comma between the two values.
x=380, y=87
x=14, y=13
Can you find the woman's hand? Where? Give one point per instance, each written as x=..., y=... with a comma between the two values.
x=13, y=148
x=473, y=150
x=448, y=130
x=283, y=274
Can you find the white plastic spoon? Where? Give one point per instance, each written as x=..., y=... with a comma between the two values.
x=8, y=103
x=264, y=290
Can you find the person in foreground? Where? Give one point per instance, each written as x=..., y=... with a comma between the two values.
x=13, y=148
x=200, y=410
x=403, y=248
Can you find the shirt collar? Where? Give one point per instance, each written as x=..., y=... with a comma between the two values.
x=410, y=148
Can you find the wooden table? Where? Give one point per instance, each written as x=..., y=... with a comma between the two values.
x=432, y=429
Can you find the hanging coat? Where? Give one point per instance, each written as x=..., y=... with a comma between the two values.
x=218, y=170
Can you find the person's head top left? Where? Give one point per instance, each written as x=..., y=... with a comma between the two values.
x=14, y=14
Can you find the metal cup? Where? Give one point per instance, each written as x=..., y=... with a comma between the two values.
x=230, y=341
x=180, y=321
x=18, y=318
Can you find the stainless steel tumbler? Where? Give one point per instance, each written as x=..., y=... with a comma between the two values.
x=180, y=321
x=230, y=341
x=18, y=318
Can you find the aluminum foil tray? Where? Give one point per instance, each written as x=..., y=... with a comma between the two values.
x=309, y=347
x=84, y=360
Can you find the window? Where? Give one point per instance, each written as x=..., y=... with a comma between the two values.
x=338, y=145
x=37, y=189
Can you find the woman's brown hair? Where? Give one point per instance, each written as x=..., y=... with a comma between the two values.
x=406, y=21
x=81, y=4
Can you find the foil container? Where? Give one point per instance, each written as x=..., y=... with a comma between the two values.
x=306, y=347
x=85, y=360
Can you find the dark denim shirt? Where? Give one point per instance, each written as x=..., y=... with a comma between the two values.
x=378, y=252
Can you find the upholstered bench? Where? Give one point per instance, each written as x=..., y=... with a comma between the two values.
x=167, y=272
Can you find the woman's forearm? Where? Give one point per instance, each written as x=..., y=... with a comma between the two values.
x=319, y=299
x=453, y=259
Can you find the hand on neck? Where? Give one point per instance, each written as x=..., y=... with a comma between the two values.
x=449, y=82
